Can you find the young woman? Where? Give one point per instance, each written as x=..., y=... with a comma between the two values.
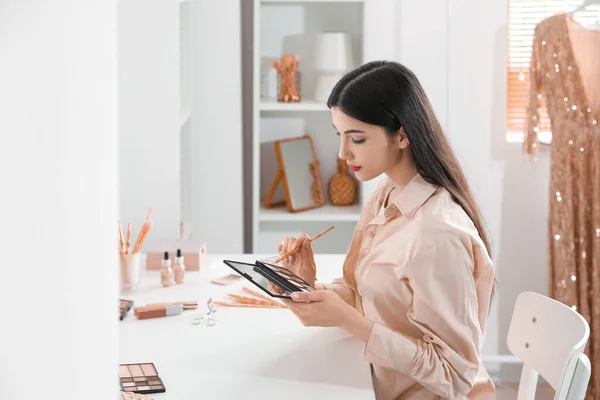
x=418, y=276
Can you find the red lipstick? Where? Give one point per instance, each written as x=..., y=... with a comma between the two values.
x=354, y=168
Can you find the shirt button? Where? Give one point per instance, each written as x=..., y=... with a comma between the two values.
x=371, y=234
x=389, y=212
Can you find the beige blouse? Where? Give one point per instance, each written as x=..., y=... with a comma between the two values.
x=418, y=268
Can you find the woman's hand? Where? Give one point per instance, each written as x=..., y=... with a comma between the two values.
x=319, y=308
x=326, y=308
x=301, y=263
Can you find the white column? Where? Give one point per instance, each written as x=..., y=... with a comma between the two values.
x=149, y=156
x=58, y=207
x=217, y=189
x=422, y=30
x=381, y=41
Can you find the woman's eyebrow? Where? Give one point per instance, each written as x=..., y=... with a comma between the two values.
x=350, y=130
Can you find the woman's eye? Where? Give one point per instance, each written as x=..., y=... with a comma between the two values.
x=359, y=141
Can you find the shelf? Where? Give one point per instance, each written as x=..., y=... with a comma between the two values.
x=306, y=105
x=326, y=213
x=312, y=1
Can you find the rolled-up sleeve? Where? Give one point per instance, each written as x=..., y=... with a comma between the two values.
x=446, y=357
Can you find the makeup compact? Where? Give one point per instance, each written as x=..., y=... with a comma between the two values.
x=274, y=280
x=140, y=378
x=124, y=307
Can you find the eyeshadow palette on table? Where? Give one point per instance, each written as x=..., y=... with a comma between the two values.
x=140, y=378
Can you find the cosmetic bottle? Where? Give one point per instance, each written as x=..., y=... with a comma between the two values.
x=179, y=268
x=166, y=272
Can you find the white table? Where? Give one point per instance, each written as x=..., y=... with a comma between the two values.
x=251, y=353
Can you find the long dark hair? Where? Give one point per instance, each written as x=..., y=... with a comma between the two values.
x=387, y=94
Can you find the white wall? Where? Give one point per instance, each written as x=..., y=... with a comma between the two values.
x=513, y=192
x=58, y=171
x=457, y=48
x=217, y=126
x=149, y=155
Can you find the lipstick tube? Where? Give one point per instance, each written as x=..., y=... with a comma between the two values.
x=158, y=312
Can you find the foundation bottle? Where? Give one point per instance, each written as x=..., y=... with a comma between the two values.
x=166, y=272
x=179, y=268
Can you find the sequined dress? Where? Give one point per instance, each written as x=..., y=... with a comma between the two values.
x=565, y=78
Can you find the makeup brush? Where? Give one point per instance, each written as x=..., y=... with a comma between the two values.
x=289, y=253
x=121, y=243
x=261, y=296
x=229, y=304
x=187, y=305
x=146, y=227
x=249, y=300
x=128, y=238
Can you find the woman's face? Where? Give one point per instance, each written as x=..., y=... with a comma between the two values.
x=367, y=149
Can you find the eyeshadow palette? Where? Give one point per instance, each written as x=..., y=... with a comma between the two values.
x=124, y=307
x=140, y=378
x=272, y=279
x=285, y=274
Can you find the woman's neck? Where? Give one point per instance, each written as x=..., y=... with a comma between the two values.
x=403, y=172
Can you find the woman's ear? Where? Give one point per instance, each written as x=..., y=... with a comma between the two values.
x=402, y=139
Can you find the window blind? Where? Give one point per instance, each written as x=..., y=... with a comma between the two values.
x=523, y=16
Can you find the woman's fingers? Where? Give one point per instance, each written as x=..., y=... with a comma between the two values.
x=300, y=241
x=292, y=243
x=286, y=247
x=296, y=244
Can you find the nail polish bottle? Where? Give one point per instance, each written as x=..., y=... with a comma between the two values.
x=166, y=272
x=179, y=268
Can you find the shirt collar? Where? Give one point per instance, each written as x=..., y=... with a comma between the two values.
x=411, y=198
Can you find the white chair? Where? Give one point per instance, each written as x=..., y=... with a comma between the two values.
x=549, y=337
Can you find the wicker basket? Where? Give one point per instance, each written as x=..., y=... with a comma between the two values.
x=342, y=188
x=134, y=396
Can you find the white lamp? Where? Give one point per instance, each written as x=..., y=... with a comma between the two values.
x=333, y=58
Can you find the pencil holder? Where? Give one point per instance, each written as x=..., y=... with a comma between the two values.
x=130, y=271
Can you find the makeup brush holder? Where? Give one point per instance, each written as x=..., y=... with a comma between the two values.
x=130, y=271
x=288, y=87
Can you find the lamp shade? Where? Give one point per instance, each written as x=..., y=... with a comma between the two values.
x=333, y=52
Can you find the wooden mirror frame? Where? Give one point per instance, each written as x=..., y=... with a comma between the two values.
x=281, y=176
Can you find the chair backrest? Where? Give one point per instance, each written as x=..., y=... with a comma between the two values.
x=549, y=337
